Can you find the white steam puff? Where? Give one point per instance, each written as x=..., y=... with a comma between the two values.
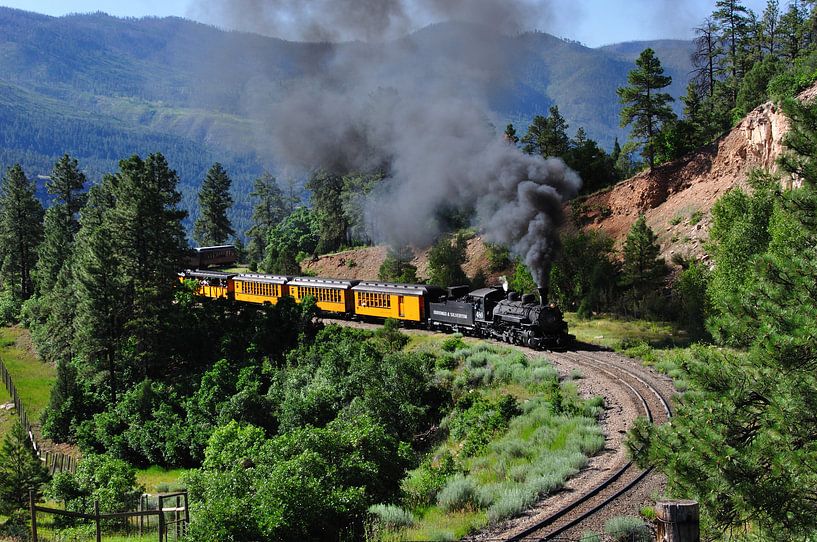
x=416, y=108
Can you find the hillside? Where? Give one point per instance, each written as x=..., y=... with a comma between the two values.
x=676, y=198
x=102, y=88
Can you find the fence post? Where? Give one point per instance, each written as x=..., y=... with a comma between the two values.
x=96, y=520
x=186, y=515
x=176, y=516
x=161, y=519
x=678, y=521
x=31, y=503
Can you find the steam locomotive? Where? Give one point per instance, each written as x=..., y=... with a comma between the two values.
x=487, y=312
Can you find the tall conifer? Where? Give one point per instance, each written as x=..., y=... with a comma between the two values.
x=213, y=226
x=645, y=107
x=21, y=230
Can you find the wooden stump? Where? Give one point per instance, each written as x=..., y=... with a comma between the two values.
x=678, y=521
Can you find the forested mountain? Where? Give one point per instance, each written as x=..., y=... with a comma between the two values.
x=102, y=88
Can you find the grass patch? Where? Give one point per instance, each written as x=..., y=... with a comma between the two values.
x=7, y=417
x=609, y=331
x=160, y=480
x=32, y=377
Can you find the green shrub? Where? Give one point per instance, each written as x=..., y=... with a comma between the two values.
x=590, y=536
x=460, y=493
x=446, y=361
x=420, y=486
x=696, y=217
x=676, y=220
x=391, y=517
x=453, y=343
x=510, y=503
x=627, y=529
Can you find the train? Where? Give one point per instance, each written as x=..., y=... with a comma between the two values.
x=491, y=313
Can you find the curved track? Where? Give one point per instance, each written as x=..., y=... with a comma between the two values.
x=644, y=390
x=655, y=407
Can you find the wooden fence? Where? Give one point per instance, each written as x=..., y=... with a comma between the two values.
x=54, y=461
x=175, y=525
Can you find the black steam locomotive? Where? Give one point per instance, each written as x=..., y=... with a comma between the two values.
x=490, y=313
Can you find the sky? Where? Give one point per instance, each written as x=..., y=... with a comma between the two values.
x=592, y=22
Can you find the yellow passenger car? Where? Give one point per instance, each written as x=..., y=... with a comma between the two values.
x=212, y=284
x=386, y=300
x=331, y=295
x=260, y=289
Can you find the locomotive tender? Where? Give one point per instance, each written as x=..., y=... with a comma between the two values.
x=486, y=312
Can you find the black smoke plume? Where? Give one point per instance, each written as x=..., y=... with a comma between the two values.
x=416, y=107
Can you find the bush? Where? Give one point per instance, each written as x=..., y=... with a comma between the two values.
x=627, y=529
x=510, y=503
x=421, y=486
x=391, y=517
x=460, y=493
x=453, y=343
x=590, y=536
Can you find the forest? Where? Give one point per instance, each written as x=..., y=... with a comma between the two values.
x=269, y=408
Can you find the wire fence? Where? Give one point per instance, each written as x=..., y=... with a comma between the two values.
x=54, y=461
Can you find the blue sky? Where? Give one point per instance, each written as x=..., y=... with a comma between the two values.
x=592, y=22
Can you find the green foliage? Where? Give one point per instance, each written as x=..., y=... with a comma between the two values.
x=397, y=266
x=738, y=235
x=582, y=276
x=499, y=257
x=522, y=281
x=20, y=471
x=645, y=108
x=297, y=234
x=547, y=136
x=445, y=261
x=739, y=441
x=627, y=529
x=271, y=207
x=102, y=478
x=340, y=470
x=643, y=271
x=212, y=226
x=753, y=88
x=460, y=494
x=391, y=517
x=21, y=231
x=475, y=421
x=333, y=223
x=690, y=292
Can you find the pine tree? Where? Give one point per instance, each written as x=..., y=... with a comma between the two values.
x=326, y=200
x=742, y=443
x=66, y=184
x=20, y=471
x=770, y=26
x=213, y=227
x=397, y=266
x=21, y=231
x=733, y=20
x=547, y=136
x=270, y=209
x=643, y=270
x=101, y=311
x=644, y=107
x=149, y=240
x=445, y=261
x=706, y=57
x=510, y=135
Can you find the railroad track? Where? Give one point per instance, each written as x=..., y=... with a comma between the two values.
x=624, y=479
x=655, y=407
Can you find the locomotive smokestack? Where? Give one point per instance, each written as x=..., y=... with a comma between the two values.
x=543, y=295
